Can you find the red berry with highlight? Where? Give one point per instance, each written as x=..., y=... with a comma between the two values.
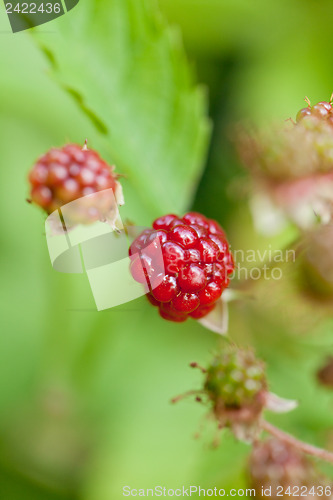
x=174, y=257
x=186, y=302
x=209, y=251
x=192, y=278
x=164, y=287
x=211, y=293
x=164, y=222
x=196, y=263
x=184, y=235
x=202, y=311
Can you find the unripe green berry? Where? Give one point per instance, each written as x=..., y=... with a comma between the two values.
x=235, y=378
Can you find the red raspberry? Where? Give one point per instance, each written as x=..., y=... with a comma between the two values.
x=71, y=172
x=196, y=259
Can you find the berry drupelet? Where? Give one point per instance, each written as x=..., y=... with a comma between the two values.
x=69, y=173
x=186, y=263
x=322, y=110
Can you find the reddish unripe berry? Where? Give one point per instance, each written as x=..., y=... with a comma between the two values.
x=70, y=173
x=68, y=191
x=186, y=302
x=209, y=251
x=184, y=235
x=41, y=195
x=325, y=104
x=211, y=293
x=192, y=278
x=56, y=174
x=38, y=175
x=167, y=288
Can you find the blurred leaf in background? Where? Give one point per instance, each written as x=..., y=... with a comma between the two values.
x=133, y=80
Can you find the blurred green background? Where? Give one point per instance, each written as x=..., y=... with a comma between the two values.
x=85, y=395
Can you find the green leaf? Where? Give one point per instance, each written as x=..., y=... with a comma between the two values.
x=127, y=71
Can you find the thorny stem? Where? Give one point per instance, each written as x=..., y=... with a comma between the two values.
x=289, y=439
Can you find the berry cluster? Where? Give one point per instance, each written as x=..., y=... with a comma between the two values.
x=322, y=110
x=66, y=174
x=186, y=263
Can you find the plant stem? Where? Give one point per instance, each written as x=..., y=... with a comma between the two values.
x=304, y=447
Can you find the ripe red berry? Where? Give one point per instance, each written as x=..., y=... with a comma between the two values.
x=164, y=222
x=66, y=174
x=202, y=311
x=167, y=288
x=200, y=230
x=186, y=302
x=184, y=235
x=193, y=255
x=209, y=251
x=168, y=312
x=221, y=242
x=211, y=293
x=174, y=257
x=195, y=267
x=196, y=218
